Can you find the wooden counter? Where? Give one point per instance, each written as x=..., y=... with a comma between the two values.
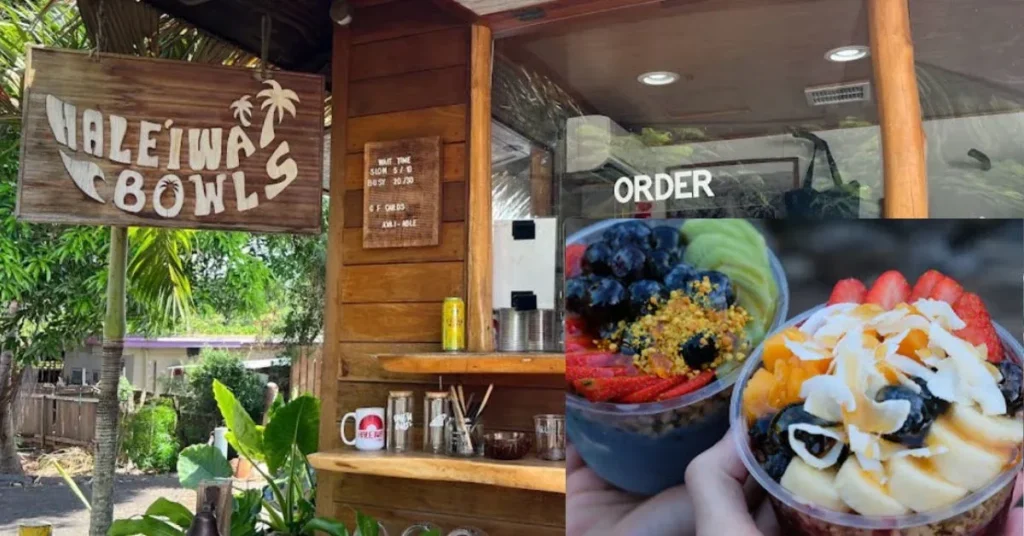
x=473, y=363
x=528, y=473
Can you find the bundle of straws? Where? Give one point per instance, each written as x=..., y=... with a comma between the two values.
x=467, y=410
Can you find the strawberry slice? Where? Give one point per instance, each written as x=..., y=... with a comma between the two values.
x=579, y=373
x=925, y=284
x=573, y=258
x=848, y=291
x=575, y=326
x=947, y=290
x=688, y=386
x=650, y=394
x=578, y=343
x=890, y=289
x=595, y=358
x=605, y=389
x=979, y=330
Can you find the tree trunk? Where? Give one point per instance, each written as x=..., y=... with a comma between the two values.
x=107, y=416
x=10, y=381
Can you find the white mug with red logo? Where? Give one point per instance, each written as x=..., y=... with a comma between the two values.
x=369, y=428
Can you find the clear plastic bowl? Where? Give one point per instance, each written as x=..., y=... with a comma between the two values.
x=645, y=448
x=978, y=513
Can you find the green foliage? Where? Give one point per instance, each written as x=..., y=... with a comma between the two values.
x=299, y=264
x=149, y=440
x=125, y=390
x=243, y=434
x=162, y=518
x=197, y=463
x=198, y=406
x=290, y=492
x=246, y=510
x=295, y=424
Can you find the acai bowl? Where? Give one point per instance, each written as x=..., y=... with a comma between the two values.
x=653, y=346
x=891, y=410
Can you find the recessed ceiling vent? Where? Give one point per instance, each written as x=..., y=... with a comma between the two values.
x=838, y=93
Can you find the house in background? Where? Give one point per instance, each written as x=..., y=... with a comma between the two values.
x=149, y=364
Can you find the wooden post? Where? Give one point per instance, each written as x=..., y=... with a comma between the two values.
x=44, y=421
x=329, y=439
x=540, y=182
x=220, y=494
x=899, y=110
x=479, y=268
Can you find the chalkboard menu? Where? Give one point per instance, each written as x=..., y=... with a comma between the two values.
x=401, y=193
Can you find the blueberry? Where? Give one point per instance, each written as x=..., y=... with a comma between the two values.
x=608, y=301
x=633, y=344
x=640, y=294
x=776, y=464
x=629, y=233
x=597, y=259
x=761, y=438
x=607, y=330
x=665, y=237
x=722, y=294
x=1010, y=386
x=679, y=277
x=914, y=430
x=577, y=293
x=699, y=350
x=628, y=263
x=795, y=414
x=935, y=405
x=660, y=262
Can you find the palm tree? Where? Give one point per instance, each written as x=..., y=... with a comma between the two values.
x=242, y=110
x=155, y=265
x=280, y=101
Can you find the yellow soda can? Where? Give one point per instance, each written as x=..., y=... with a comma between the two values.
x=453, y=325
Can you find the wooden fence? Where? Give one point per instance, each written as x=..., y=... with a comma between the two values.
x=58, y=420
x=305, y=378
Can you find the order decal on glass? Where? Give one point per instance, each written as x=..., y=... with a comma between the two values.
x=401, y=193
x=679, y=185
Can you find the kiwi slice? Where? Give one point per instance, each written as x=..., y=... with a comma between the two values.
x=708, y=251
x=742, y=230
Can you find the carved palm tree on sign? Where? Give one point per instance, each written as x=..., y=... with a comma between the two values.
x=242, y=110
x=279, y=100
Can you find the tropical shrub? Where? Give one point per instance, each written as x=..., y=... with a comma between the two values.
x=199, y=408
x=149, y=438
x=286, y=504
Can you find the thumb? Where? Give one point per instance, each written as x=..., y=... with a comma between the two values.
x=715, y=480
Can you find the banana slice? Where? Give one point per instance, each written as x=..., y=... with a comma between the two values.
x=920, y=488
x=812, y=485
x=964, y=463
x=997, y=431
x=863, y=494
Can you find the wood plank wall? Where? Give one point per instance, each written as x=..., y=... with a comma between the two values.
x=407, y=75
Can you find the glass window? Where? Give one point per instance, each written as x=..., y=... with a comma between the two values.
x=969, y=57
x=709, y=109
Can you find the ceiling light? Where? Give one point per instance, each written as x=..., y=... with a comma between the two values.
x=340, y=12
x=850, y=53
x=658, y=78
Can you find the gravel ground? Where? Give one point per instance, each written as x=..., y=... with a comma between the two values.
x=52, y=501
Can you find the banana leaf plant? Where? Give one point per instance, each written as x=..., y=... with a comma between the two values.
x=285, y=506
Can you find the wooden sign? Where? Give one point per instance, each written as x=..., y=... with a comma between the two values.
x=402, y=193
x=117, y=140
